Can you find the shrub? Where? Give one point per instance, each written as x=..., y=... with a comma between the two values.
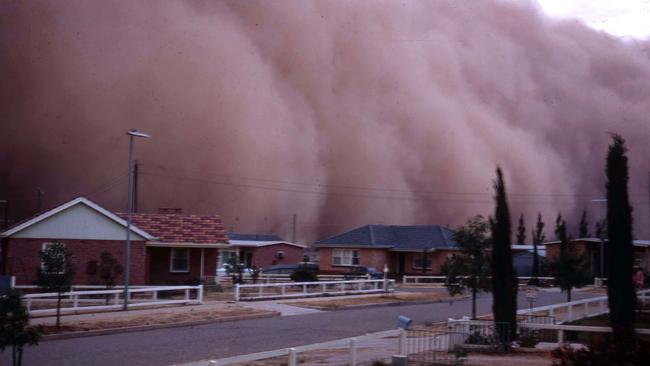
x=602, y=351
x=302, y=275
x=528, y=340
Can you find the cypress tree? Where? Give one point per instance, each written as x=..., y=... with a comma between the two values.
x=569, y=267
x=521, y=231
x=538, y=238
x=504, y=283
x=558, y=226
x=584, y=225
x=620, y=259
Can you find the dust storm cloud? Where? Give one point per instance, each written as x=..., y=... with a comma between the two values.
x=342, y=112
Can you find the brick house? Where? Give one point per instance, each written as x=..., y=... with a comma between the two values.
x=168, y=247
x=590, y=248
x=406, y=250
x=263, y=250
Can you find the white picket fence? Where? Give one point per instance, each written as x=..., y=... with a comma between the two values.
x=272, y=278
x=311, y=289
x=99, y=300
x=563, y=312
x=440, y=280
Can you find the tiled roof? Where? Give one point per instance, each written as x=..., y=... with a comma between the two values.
x=254, y=237
x=395, y=237
x=181, y=228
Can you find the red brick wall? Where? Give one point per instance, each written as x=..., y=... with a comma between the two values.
x=437, y=259
x=159, y=264
x=267, y=255
x=367, y=257
x=378, y=257
x=22, y=258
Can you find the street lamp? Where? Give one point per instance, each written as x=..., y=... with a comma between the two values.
x=602, y=239
x=127, y=248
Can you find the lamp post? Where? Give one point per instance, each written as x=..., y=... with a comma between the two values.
x=127, y=248
x=602, y=239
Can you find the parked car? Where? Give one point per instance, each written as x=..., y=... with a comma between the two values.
x=359, y=271
x=289, y=268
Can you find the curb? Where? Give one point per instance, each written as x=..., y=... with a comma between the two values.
x=140, y=328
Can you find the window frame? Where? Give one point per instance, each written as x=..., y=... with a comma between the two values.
x=173, y=257
x=346, y=257
x=428, y=262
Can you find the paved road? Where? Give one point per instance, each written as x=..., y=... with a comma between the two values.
x=218, y=340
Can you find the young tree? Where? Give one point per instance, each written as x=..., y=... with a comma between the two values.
x=538, y=238
x=109, y=269
x=558, y=223
x=504, y=283
x=620, y=259
x=521, y=231
x=235, y=269
x=584, y=225
x=568, y=267
x=56, y=273
x=469, y=269
x=15, y=331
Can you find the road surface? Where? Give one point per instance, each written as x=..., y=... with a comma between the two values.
x=218, y=340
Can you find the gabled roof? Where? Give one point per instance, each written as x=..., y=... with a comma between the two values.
x=394, y=237
x=181, y=228
x=77, y=201
x=254, y=237
x=263, y=243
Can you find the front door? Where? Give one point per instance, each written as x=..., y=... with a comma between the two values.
x=401, y=260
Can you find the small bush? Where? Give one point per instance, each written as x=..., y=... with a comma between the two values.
x=602, y=351
x=302, y=275
x=528, y=340
x=195, y=281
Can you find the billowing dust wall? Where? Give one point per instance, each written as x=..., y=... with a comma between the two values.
x=341, y=112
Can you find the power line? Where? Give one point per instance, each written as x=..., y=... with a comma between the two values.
x=354, y=195
x=339, y=186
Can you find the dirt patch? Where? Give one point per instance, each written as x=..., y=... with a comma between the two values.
x=341, y=303
x=163, y=318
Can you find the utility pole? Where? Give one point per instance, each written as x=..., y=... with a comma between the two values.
x=135, y=186
x=293, y=235
x=39, y=199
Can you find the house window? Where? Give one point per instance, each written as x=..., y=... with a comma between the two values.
x=419, y=260
x=180, y=260
x=345, y=257
x=58, y=263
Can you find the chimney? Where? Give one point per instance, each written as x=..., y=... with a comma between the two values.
x=170, y=210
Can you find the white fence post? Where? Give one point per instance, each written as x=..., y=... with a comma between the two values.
x=199, y=294
x=569, y=312
x=292, y=357
x=237, y=292
x=560, y=336
x=401, y=345
x=353, y=352
x=187, y=294
x=75, y=301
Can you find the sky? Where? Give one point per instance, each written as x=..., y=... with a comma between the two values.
x=341, y=113
x=621, y=18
